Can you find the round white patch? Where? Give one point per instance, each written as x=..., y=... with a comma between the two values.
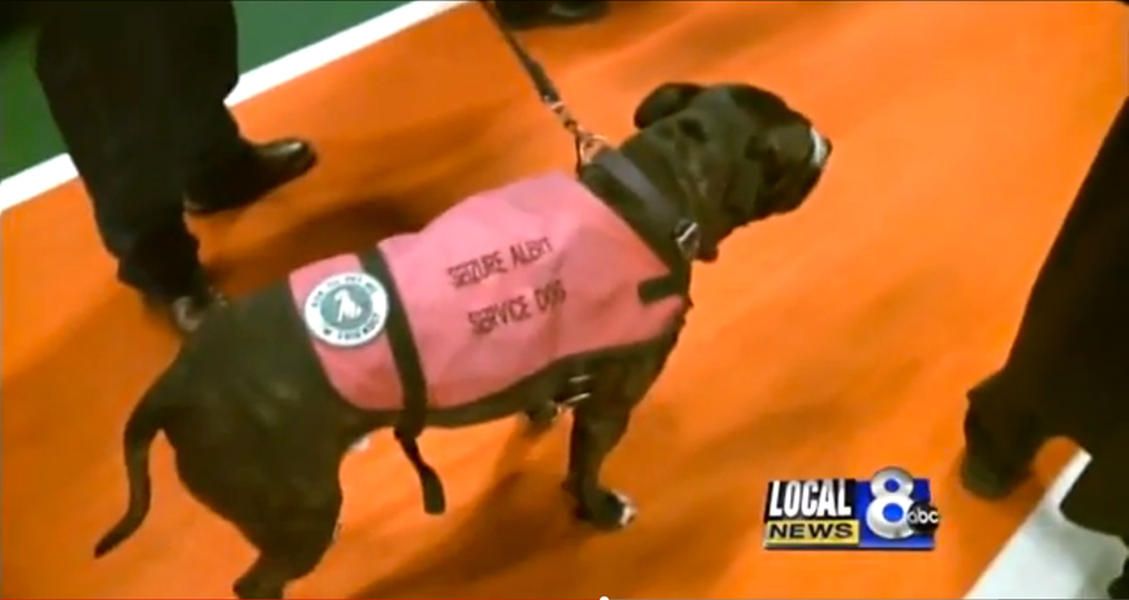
x=347, y=309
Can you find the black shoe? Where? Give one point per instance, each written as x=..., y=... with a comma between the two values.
x=262, y=168
x=525, y=14
x=985, y=480
x=996, y=460
x=187, y=312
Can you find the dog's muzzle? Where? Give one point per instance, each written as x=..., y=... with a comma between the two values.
x=808, y=174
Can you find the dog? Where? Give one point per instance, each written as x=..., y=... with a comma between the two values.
x=260, y=411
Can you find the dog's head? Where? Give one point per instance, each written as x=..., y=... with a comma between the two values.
x=738, y=153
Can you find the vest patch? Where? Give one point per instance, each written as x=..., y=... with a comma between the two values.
x=346, y=309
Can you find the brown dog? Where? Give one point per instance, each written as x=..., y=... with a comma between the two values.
x=260, y=431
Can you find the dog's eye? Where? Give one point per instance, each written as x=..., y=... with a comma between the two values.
x=693, y=129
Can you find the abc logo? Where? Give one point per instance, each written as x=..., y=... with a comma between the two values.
x=923, y=517
x=893, y=514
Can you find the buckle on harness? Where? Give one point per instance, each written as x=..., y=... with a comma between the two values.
x=573, y=400
x=688, y=237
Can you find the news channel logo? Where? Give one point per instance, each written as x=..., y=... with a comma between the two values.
x=890, y=511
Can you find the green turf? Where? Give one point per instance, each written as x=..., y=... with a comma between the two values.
x=268, y=29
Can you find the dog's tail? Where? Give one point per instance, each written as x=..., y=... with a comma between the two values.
x=142, y=427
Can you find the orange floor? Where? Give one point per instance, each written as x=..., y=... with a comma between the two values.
x=830, y=342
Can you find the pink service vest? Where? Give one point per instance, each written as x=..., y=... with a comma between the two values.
x=501, y=286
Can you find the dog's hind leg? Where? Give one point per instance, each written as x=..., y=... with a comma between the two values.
x=291, y=548
x=544, y=413
x=542, y=416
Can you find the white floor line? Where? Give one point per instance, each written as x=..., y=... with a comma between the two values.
x=33, y=181
x=1048, y=557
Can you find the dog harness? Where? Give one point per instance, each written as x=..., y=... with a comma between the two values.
x=501, y=286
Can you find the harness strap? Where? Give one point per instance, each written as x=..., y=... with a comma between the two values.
x=665, y=286
x=678, y=236
x=406, y=355
x=683, y=231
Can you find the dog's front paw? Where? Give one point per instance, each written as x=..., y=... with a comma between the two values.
x=609, y=510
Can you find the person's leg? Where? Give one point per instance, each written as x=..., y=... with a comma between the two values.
x=96, y=64
x=219, y=169
x=137, y=92
x=1098, y=498
x=1067, y=364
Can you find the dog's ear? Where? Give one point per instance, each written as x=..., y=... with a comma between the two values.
x=664, y=101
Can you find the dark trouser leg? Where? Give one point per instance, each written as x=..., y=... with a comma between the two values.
x=1076, y=289
x=1066, y=368
x=207, y=51
x=221, y=170
x=134, y=91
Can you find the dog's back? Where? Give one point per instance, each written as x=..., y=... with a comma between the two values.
x=499, y=288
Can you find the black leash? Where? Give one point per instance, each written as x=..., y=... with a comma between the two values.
x=594, y=148
x=587, y=144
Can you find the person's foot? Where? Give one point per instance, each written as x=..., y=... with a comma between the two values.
x=524, y=14
x=187, y=312
x=262, y=168
x=986, y=480
x=998, y=453
x=983, y=471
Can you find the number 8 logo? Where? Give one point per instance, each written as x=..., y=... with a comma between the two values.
x=886, y=515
